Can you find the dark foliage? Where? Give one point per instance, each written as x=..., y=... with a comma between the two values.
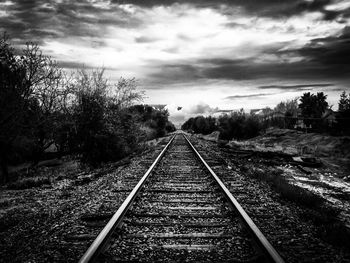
x=238, y=126
x=290, y=120
x=83, y=114
x=200, y=124
x=312, y=107
x=105, y=127
x=343, y=116
x=25, y=101
x=154, y=118
x=99, y=138
x=170, y=127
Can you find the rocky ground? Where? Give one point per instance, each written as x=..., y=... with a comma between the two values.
x=314, y=224
x=48, y=223
x=319, y=164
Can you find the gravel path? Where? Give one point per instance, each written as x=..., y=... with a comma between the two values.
x=180, y=216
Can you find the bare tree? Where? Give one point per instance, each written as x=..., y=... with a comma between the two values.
x=105, y=130
x=124, y=93
x=28, y=84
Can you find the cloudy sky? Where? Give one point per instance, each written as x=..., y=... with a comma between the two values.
x=202, y=55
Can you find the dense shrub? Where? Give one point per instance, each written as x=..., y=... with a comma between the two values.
x=103, y=147
x=251, y=127
x=109, y=133
x=154, y=118
x=170, y=127
x=200, y=124
x=238, y=126
x=105, y=128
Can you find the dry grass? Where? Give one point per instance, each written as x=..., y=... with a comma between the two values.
x=286, y=189
x=42, y=175
x=323, y=216
x=29, y=183
x=316, y=144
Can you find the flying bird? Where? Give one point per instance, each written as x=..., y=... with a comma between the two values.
x=179, y=108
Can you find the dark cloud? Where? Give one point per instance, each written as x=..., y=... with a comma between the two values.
x=272, y=8
x=299, y=87
x=256, y=95
x=331, y=52
x=152, y=3
x=28, y=18
x=250, y=4
x=322, y=58
x=12, y=25
x=249, y=69
x=325, y=59
x=320, y=5
x=31, y=19
x=172, y=73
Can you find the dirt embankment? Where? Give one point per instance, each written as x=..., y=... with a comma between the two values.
x=312, y=163
x=333, y=152
x=320, y=145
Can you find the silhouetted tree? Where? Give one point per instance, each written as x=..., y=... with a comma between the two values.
x=232, y=126
x=170, y=127
x=343, y=116
x=25, y=80
x=312, y=107
x=251, y=127
x=344, y=102
x=187, y=125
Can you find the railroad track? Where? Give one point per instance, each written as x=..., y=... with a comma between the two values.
x=180, y=211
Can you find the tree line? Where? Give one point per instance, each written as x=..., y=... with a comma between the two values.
x=80, y=113
x=238, y=125
x=311, y=112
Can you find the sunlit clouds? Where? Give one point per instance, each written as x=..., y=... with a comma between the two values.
x=196, y=52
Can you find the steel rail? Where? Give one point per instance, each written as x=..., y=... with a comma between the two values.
x=104, y=236
x=263, y=243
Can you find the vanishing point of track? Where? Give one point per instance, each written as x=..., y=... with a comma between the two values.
x=180, y=211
